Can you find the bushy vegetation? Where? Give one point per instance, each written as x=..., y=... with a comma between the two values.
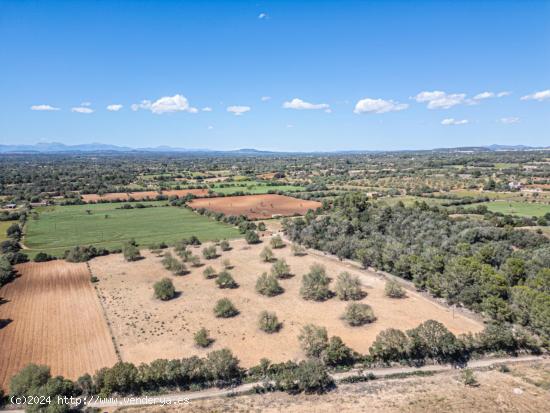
x=252, y=237
x=202, y=338
x=164, y=289
x=225, y=280
x=392, y=289
x=348, y=287
x=267, y=255
x=313, y=340
x=357, y=314
x=277, y=242
x=224, y=309
x=209, y=252
x=174, y=265
x=267, y=285
x=268, y=322
x=130, y=251
x=209, y=272
x=224, y=245
x=83, y=254
x=315, y=284
x=280, y=269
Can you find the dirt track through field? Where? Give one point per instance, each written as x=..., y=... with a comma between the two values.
x=52, y=316
x=256, y=206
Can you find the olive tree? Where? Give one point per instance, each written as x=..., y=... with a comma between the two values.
x=225, y=280
x=209, y=272
x=280, y=269
x=164, y=289
x=315, y=284
x=224, y=308
x=277, y=242
x=267, y=255
x=268, y=285
x=202, y=338
x=348, y=287
x=313, y=340
x=394, y=290
x=268, y=322
x=358, y=314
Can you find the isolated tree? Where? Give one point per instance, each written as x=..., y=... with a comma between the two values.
x=394, y=290
x=209, y=252
x=267, y=255
x=280, y=269
x=227, y=264
x=131, y=251
x=390, y=345
x=224, y=309
x=261, y=226
x=337, y=353
x=225, y=280
x=433, y=340
x=313, y=340
x=222, y=366
x=7, y=273
x=268, y=285
x=315, y=284
x=358, y=314
x=277, y=242
x=252, y=237
x=224, y=245
x=164, y=289
x=348, y=287
x=209, y=272
x=298, y=250
x=268, y=322
x=202, y=338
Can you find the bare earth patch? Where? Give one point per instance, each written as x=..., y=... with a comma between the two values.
x=140, y=196
x=256, y=206
x=147, y=329
x=53, y=318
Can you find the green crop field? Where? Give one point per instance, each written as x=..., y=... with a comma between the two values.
x=524, y=209
x=4, y=225
x=61, y=227
x=253, y=188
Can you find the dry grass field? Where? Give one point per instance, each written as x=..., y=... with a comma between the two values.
x=52, y=316
x=524, y=389
x=147, y=329
x=139, y=196
x=256, y=206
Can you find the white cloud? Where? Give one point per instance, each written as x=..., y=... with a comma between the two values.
x=207, y=109
x=82, y=109
x=265, y=98
x=540, y=96
x=210, y=127
x=238, y=110
x=299, y=104
x=166, y=104
x=438, y=99
x=262, y=16
x=503, y=93
x=86, y=104
x=45, y=108
x=114, y=108
x=145, y=104
x=484, y=95
x=369, y=105
x=452, y=121
x=510, y=120
x=329, y=110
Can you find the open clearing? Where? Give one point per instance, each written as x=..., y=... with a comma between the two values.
x=52, y=316
x=107, y=225
x=146, y=329
x=523, y=209
x=256, y=206
x=523, y=389
x=138, y=196
x=4, y=225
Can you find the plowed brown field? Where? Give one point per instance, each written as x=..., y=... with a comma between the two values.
x=52, y=316
x=256, y=206
x=139, y=196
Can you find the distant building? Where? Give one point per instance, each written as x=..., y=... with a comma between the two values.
x=514, y=185
x=10, y=206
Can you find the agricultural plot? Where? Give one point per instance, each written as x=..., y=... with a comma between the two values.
x=106, y=225
x=51, y=315
x=138, y=196
x=146, y=329
x=253, y=188
x=256, y=206
x=524, y=209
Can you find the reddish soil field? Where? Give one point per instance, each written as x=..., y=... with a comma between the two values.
x=139, y=196
x=256, y=206
x=52, y=316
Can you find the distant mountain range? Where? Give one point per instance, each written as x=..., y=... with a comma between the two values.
x=56, y=147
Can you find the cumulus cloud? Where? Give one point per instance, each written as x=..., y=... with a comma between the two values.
x=540, y=96
x=369, y=105
x=265, y=98
x=238, y=110
x=299, y=104
x=114, y=108
x=166, y=104
x=438, y=99
x=452, y=121
x=262, y=16
x=484, y=95
x=510, y=120
x=82, y=109
x=44, y=108
x=207, y=109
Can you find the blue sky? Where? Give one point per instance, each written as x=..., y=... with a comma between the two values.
x=283, y=75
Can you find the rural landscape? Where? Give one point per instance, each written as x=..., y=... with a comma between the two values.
x=289, y=206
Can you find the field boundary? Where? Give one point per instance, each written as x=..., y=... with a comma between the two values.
x=104, y=312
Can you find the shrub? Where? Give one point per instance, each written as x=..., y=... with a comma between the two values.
x=164, y=289
x=394, y=290
x=357, y=314
x=267, y=255
x=225, y=280
x=390, y=345
x=43, y=257
x=227, y=264
x=337, y=353
x=94, y=279
x=261, y=226
x=173, y=264
x=131, y=251
x=252, y=237
x=268, y=285
x=277, y=242
x=195, y=261
x=224, y=309
x=269, y=322
x=280, y=269
x=348, y=287
x=209, y=252
x=468, y=378
x=202, y=339
x=222, y=366
x=315, y=284
x=313, y=340
x=7, y=273
x=298, y=250
x=312, y=377
x=209, y=272
x=224, y=245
